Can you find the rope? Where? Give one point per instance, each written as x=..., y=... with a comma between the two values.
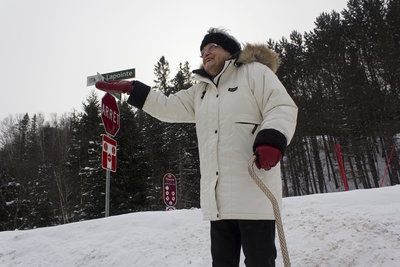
x=277, y=214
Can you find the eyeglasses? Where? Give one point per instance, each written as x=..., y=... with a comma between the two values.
x=208, y=49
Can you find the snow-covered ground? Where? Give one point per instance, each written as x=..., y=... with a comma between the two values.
x=356, y=228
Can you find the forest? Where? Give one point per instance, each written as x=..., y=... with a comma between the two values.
x=344, y=75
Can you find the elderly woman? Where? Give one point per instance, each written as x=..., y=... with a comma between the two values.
x=240, y=108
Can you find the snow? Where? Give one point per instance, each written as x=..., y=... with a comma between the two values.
x=355, y=228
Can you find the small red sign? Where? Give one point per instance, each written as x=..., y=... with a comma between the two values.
x=169, y=184
x=109, y=154
x=110, y=114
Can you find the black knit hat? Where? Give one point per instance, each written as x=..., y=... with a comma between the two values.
x=228, y=42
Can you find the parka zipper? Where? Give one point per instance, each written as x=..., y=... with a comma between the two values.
x=212, y=80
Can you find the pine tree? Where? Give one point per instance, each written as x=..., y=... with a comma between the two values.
x=39, y=180
x=72, y=166
x=91, y=173
x=162, y=71
x=184, y=142
x=129, y=183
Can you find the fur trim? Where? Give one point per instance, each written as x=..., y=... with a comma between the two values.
x=259, y=53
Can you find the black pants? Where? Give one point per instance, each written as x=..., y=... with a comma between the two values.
x=257, y=237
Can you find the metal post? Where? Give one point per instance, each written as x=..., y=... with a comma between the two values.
x=107, y=193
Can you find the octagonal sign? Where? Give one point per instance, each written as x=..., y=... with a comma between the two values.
x=110, y=114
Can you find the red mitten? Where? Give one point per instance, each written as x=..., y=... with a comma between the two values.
x=112, y=86
x=267, y=156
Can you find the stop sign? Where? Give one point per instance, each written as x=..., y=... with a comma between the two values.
x=110, y=114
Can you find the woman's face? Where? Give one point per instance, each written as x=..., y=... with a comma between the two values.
x=214, y=57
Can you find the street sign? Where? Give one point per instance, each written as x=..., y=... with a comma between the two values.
x=169, y=188
x=109, y=154
x=110, y=114
x=91, y=80
x=117, y=75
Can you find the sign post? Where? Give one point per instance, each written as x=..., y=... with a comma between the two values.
x=109, y=163
x=169, y=189
x=110, y=118
x=107, y=211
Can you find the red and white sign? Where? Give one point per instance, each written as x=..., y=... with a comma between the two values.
x=169, y=185
x=109, y=155
x=110, y=114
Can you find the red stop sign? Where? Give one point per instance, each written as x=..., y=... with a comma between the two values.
x=110, y=114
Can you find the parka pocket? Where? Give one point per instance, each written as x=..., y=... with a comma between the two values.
x=243, y=135
x=250, y=123
x=254, y=128
x=244, y=130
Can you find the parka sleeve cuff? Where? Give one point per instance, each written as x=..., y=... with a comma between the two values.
x=138, y=95
x=271, y=137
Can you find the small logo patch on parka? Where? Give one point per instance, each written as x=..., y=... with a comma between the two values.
x=233, y=89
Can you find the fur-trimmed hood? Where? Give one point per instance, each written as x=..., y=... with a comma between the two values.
x=252, y=53
x=259, y=53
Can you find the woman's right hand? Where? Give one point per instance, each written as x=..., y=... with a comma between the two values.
x=113, y=86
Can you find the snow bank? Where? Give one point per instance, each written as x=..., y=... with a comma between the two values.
x=356, y=228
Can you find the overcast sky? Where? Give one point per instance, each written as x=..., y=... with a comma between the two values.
x=49, y=47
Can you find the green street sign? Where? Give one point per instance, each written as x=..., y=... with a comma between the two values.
x=119, y=75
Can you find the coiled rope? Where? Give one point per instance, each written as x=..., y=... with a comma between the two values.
x=275, y=206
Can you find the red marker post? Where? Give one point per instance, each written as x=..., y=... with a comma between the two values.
x=341, y=166
x=387, y=167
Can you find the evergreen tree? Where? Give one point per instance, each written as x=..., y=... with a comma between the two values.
x=91, y=173
x=184, y=143
x=129, y=183
x=162, y=71
x=73, y=164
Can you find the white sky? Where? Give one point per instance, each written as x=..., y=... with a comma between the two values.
x=49, y=47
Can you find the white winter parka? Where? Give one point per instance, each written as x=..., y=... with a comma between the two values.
x=243, y=106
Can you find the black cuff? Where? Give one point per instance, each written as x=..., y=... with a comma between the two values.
x=138, y=94
x=271, y=137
